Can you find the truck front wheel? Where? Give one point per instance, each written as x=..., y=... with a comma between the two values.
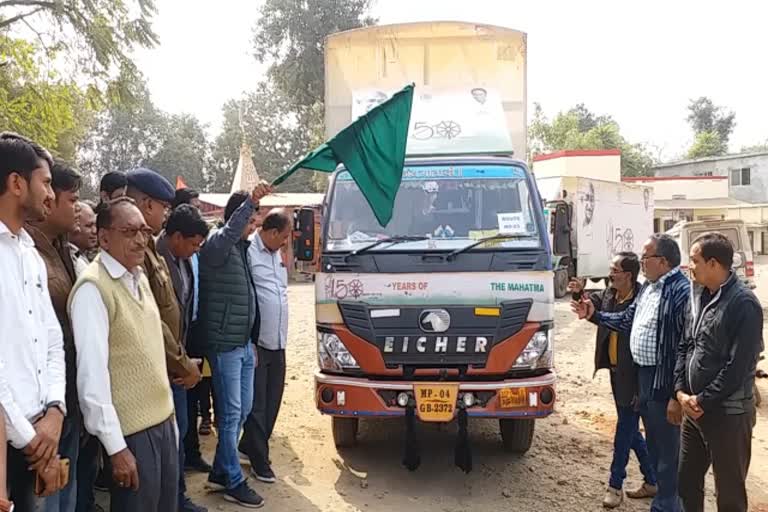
x=344, y=431
x=517, y=435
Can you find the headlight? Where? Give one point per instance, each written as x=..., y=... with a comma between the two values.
x=539, y=353
x=332, y=354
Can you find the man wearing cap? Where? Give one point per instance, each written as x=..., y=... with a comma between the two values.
x=154, y=195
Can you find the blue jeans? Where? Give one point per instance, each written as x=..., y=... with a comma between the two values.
x=232, y=374
x=69, y=448
x=663, y=442
x=626, y=440
x=180, y=406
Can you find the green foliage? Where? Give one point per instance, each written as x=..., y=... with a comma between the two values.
x=95, y=36
x=755, y=148
x=712, y=126
x=290, y=35
x=274, y=134
x=707, y=144
x=38, y=104
x=579, y=128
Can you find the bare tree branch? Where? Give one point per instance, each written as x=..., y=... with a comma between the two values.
x=28, y=3
x=19, y=17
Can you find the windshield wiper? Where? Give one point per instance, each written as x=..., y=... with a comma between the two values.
x=396, y=239
x=481, y=241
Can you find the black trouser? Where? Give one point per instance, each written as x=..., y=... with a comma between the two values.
x=88, y=463
x=268, y=386
x=157, y=458
x=725, y=442
x=21, y=483
x=198, y=405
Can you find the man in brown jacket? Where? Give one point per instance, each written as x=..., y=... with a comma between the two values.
x=51, y=241
x=153, y=195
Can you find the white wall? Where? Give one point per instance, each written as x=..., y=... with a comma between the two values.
x=687, y=188
x=604, y=167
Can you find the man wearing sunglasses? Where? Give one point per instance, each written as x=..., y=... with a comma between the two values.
x=122, y=377
x=655, y=323
x=612, y=352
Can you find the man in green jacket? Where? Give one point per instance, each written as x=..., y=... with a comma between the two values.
x=227, y=318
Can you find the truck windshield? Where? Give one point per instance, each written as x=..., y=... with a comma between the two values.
x=449, y=206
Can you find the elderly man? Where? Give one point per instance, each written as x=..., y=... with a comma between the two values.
x=714, y=377
x=612, y=352
x=655, y=323
x=83, y=241
x=122, y=375
x=153, y=195
x=184, y=233
x=228, y=319
x=32, y=367
x=50, y=237
x=271, y=280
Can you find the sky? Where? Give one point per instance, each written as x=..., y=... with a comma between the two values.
x=639, y=62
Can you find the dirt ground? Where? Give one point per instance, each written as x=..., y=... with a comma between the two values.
x=566, y=469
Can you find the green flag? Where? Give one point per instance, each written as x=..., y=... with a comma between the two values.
x=373, y=151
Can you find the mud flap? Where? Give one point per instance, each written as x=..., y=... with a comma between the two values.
x=463, y=454
x=411, y=457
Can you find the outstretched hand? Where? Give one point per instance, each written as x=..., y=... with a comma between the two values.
x=583, y=308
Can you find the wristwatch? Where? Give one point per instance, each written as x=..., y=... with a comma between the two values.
x=58, y=405
x=6, y=506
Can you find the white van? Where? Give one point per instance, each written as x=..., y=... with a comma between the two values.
x=685, y=233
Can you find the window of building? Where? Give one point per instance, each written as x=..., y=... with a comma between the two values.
x=741, y=177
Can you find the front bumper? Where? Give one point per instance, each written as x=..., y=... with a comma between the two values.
x=361, y=397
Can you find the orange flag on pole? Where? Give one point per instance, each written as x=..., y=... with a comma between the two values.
x=180, y=183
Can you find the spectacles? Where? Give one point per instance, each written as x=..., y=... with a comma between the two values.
x=644, y=258
x=146, y=232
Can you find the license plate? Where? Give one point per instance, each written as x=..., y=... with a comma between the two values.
x=509, y=398
x=436, y=402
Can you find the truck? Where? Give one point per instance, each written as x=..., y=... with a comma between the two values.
x=447, y=313
x=685, y=234
x=590, y=221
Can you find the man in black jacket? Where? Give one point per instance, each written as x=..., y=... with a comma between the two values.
x=714, y=376
x=612, y=352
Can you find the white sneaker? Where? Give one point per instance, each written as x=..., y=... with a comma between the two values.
x=613, y=498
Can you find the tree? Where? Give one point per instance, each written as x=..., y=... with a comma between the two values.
x=756, y=148
x=579, y=128
x=712, y=127
x=97, y=36
x=128, y=136
x=38, y=104
x=290, y=35
x=262, y=119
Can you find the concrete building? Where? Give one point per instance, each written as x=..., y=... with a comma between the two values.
x=746, y=174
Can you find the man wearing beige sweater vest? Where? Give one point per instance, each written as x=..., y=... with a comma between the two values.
x=122, y=375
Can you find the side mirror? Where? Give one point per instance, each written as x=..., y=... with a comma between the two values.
x=304, y=235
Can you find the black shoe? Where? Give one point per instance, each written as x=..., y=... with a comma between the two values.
x=265, y=475
x=197, y=464
x=186, y=505
x=244, y=496
x=216, y=483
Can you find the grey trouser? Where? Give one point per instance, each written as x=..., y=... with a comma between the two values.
x=157, y=457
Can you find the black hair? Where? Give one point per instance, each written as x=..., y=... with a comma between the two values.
x=630, y=263
x=112, y=181
x=667, y=248
x=20, y=155
x=276, y=219
x=184, y=196
x=106, y=212
x=235, y=200
x=716, y=246
x=64, y=178
x=187, y=220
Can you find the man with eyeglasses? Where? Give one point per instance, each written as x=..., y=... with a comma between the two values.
x=122, y=377
x=655, y=323
x=612, y=352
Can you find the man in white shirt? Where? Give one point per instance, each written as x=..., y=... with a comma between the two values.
x=122, y=377
x=32, y=371
x=270, y=278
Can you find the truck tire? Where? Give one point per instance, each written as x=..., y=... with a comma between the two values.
x=561, y=283
x=344, y=431
x=517, y=435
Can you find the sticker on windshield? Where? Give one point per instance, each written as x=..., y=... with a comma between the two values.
x=511, y=223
